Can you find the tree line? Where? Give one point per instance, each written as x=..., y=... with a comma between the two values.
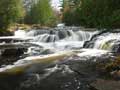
x=92, y=13
x=87, y=13
x=14, y=11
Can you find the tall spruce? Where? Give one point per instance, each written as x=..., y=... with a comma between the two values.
x=10, y=12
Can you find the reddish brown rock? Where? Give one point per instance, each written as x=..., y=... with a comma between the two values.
x=101, y=84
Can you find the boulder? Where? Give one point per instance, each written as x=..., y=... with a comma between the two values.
x=116, y=74
x=101, y=84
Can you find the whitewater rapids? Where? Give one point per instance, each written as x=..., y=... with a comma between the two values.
x=62, y=43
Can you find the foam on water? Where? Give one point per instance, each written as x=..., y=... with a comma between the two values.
x=68, y=35
x=20, y=33
x=60, y=40
x=92, y=52
x=106, y=41
x=79, y=36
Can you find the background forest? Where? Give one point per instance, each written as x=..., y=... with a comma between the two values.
x=87, y=13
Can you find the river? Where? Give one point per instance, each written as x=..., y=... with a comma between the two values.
x=55, y=58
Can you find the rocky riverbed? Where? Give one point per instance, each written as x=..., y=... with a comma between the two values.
x=57, y=60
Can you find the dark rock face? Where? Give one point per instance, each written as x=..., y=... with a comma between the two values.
x=101, y=84
x=116, y=47
x=10, y=82
x=13, y=52
x=6, y=60
x=59, y=80
x=10, y=55
x=61, y=34
x=56, y=81
x=69, y=74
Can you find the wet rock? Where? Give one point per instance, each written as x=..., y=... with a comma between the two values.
x=116, y=74
x=46, y=51
x=116, y=47
x=7, y=60
x=101, y=84
x=88, y=44
x=70, y=74
x=62, y=78
x=10, y=82
x=52, y=32
x=61, y=34
x=13, y=52
x=9, y=56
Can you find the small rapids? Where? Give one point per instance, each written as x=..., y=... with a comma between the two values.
x=66, y=35
x=106, y=41
x=55, y=58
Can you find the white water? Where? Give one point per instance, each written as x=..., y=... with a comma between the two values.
x=47, y=59
x=72, y=41
x=69, y=36
x=92, y=52
x=20, y=33
x=107, y=41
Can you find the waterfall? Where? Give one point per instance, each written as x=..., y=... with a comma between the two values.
x=57, y=51
x=79, y=36
x=65, y=38
x=58, y=39
x=33, y=32
x=66, y=35
x=46, y=38
x=106, y=41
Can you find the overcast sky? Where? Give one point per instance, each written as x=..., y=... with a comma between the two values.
x=56, y=4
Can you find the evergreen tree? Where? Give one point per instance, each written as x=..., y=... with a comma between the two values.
x=40, y=13
x=92, y=13
x=10, y=12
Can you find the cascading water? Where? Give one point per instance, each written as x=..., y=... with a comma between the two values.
x=60, y=39
x=56, y=53
x=56, y=35
x=107, y=41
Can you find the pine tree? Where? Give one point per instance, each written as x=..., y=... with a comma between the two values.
x=40, y=13
x=92, y=13
x=10, y=12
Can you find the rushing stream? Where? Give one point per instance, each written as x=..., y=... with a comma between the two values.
x=55, y=58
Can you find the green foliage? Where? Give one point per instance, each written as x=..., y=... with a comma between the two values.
x=40, y=13
x=94, y=13
x=10, y=12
